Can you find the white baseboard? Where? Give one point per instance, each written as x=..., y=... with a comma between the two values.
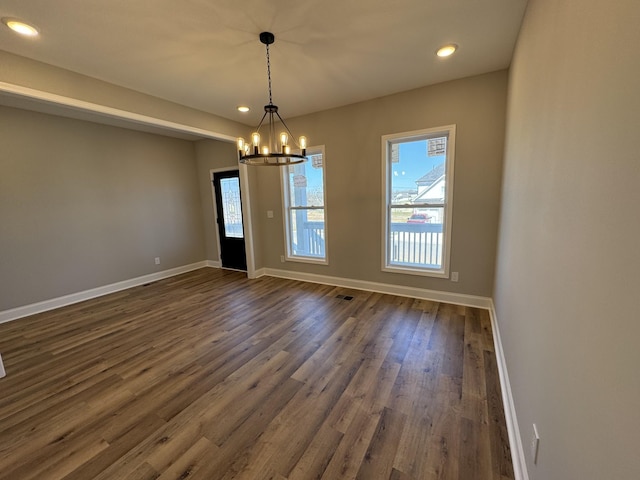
x=3, y=373
x=213, y=263
x=422, y=293
x=515, y=440
x=260, y=272
x=24, y=311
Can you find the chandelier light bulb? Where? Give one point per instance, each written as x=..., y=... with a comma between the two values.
x=284, y=139
x=255, y=139
x=241, y=143
x=265, y=150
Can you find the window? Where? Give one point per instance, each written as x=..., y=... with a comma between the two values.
x=418, y=183
x=304, y=209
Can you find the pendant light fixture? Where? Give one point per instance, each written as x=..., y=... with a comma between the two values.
x=275, y=149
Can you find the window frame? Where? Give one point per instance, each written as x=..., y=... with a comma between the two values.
x=286, y=207
x=387, y=140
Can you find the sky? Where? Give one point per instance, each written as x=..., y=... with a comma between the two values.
x=313, y=182
x=413, y=164
x=314, y=175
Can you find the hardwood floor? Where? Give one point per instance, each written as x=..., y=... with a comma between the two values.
x=209, y=375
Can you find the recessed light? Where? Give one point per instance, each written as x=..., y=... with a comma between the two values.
x=447, y=50
x=243, y=109
x=20, y=27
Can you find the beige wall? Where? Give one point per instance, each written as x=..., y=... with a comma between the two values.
x=212, y=155
x=352, y=139
x=568, y=279
x=84, y=205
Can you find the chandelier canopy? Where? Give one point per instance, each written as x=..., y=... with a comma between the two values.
x=275, y=149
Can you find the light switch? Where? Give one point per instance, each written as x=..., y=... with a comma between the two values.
x=269, y=213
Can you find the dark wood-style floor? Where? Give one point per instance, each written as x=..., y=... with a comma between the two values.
x=209, y=375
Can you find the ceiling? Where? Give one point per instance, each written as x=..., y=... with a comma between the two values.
x=206, y=54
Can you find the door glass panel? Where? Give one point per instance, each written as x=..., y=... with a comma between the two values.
x=231, y=207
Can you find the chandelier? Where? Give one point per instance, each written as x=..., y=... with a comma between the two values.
x=275, y=149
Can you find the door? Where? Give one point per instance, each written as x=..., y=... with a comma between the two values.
x=226, y=186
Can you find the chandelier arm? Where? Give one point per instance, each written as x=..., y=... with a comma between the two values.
x=261, y=121
x=287, y=128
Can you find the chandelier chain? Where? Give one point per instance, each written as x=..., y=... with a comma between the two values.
x=269, y=75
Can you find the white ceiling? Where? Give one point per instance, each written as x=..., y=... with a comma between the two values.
x=206, y=54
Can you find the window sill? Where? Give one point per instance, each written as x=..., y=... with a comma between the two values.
x=316, y=261
x=442, y=273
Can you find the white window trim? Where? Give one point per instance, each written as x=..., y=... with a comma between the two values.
x=284, y=189
x=443, y=272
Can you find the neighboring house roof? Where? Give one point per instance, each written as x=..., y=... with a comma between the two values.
x=425, y=194
x=432, y=177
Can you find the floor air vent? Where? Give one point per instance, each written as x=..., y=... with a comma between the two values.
x=348, y=298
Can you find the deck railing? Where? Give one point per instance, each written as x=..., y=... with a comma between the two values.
x=413, y=244
x=416, y=244
x=309, y=241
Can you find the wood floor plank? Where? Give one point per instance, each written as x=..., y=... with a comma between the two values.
x=303, y=417
x=20, y=442
x=317, y=455
x=237, y=450
x=380, y=454
x=209, y=375
x=118, y=447
x=351, y=451
x=412, y=456
x=191, y=463
x=419, y=371
x=364, y=389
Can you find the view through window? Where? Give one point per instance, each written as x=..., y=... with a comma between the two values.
x=304, y=203
x=419, y=180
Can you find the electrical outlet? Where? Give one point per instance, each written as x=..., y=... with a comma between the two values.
x=157, y=260
x=269, y=213
x=535, y=444
x=281, y=258
x=454, y=276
